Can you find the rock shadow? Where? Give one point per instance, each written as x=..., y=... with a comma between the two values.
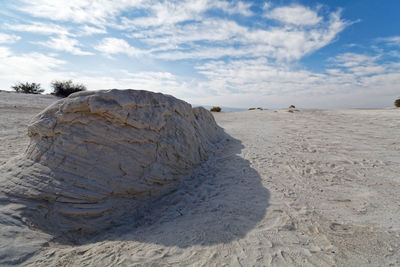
x=222, y=202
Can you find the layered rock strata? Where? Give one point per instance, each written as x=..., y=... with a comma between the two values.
x=98, y=157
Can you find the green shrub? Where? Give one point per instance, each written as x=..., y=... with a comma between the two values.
x=397, y=103
x=28, y=88
x=215, y=109
x=65, y=88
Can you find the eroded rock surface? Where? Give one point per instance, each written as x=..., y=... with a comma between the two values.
x=96, y=157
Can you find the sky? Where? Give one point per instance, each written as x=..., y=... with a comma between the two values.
x=271, y=54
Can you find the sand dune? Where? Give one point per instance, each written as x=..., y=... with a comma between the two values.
x=309, y=188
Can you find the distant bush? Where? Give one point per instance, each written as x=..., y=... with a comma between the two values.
x=292, y=106
x=65, y=88
x=215, y=109
x=28, y=88
x=397, y=103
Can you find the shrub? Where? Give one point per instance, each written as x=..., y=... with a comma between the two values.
x=28, y=88
x=65, y=88
x=397, y=103
x=215, y=109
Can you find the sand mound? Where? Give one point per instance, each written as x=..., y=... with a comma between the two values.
x=95, y=157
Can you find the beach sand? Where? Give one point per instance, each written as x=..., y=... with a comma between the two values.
x=308, y=188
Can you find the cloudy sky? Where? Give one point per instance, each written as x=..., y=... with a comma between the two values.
x=314, y=54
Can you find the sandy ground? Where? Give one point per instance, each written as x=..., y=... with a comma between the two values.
x=309, y=188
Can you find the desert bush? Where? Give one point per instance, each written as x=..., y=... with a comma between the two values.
x=292, y=106
x=65, y=88
x=397, y=103
x=27, y=88
x=215, y=109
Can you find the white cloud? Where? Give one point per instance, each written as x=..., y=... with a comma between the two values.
x=8, y=38
x=55, y=29
x=296, y=15
x=39, y=28
x=256, y=76
x=210, y=53
x=42, y=68
x=97, y=12
x=89, y=30
x=267, y=5
x=27, y=67
x=394, y=40
x=241, y=64
x=64, y=43
x=239, y=82
x=111, y=46
x=164, y=82
x=161, y=33
x=4, y=52
x=169, y=13
x=105, y=12
x=234, y=7
x=210, y=30
x=360, y=65
x=353, y=80
x=96, y=15
x=215, y=38
x=353, y=59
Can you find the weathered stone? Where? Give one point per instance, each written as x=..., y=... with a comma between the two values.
x=96, y=157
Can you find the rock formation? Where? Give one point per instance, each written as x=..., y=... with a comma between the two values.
x=97, y=157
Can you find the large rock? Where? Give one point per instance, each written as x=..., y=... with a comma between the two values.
x=97, y=157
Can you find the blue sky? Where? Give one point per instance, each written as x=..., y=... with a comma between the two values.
x=314, y=54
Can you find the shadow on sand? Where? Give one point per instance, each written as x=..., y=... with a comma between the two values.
x=223, y=201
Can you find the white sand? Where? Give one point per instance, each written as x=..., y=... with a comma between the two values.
x=288, y=189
